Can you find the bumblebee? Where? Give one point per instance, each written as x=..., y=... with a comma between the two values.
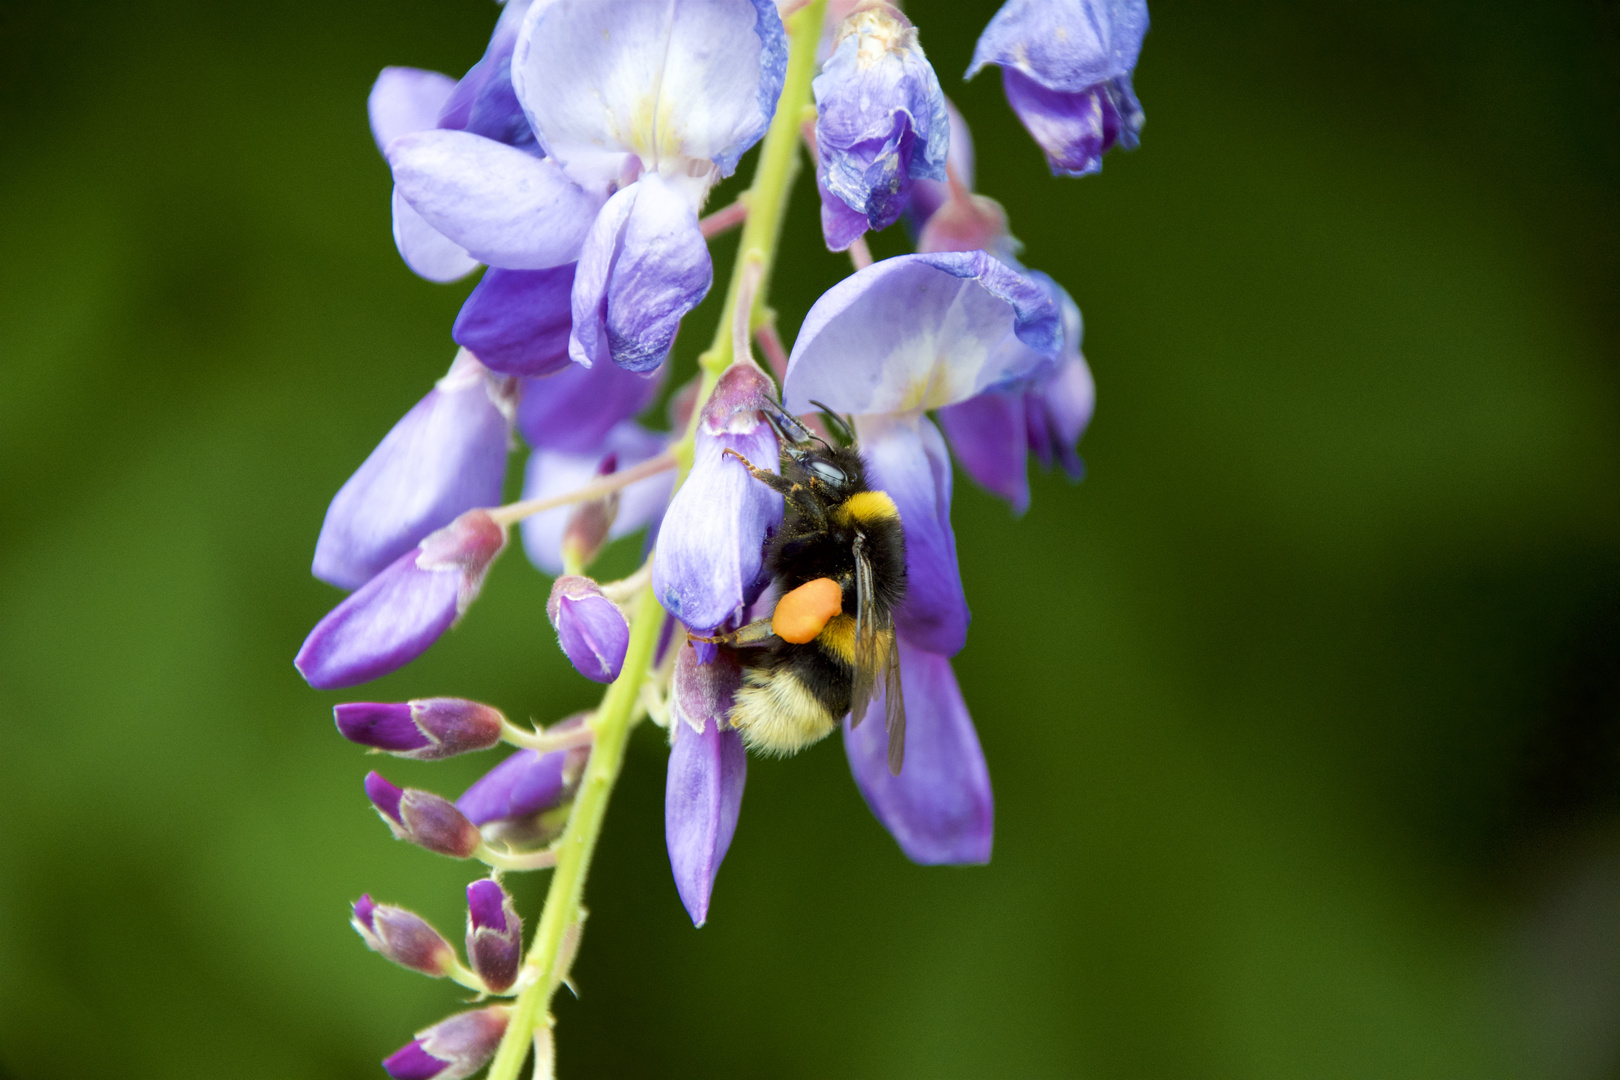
x=839, y=565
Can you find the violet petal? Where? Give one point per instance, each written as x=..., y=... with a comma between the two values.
x=939, y=808
x=990, y=437
x=702, y=798
x=525, y=783
x=381, y=727
x=575, y=409
x=920, y=332
x=592, y=632
x=406, y=99
x=1075, y=129
x=710, y=545
x=411, y=1062
x=517, y=321
x=1064, y=44
x=644, y=265
x=506, y=207
x=703, y=689
x=906, y=457
x=382, y=626
x=445, y=457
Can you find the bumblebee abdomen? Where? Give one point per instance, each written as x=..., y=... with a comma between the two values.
x=793, y=699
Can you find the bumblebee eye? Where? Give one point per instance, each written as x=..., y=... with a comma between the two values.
x=829, y=472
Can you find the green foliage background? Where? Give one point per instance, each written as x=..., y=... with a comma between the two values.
x=1301, y=710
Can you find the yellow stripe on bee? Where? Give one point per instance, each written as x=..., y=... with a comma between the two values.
x=777, y=714
x=867, y=506
x=838, y=638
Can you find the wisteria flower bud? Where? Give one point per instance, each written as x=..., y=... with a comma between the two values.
x=591, y=523
x=425, y=819
x=452, y=1049
x=591, y=629
x=427, y=729
x=880, y=122
x=403, y=937
x=1066, y=67
x=398, y=614
x=710, y=547
x=494, y=934
x=518, y=800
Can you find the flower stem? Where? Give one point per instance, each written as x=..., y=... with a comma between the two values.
x=548, y=954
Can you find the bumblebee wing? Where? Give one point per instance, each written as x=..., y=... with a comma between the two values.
x=877, y=660
x=866, y=662
x=894, y=705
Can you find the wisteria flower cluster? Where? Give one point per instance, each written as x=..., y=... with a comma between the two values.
x=573, y=162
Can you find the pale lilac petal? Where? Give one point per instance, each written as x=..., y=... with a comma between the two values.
x=517, y=321
x=1064, y=44
x=841, y=224
x=1076, y=129
x=386, y=624
x=574, y=409
x=702, y=798
x=939, y=808
x=447, y=456
x=554, y=472
x=921, y=332
x=710, y=546
x=404, y=100
x=506, y=207
x=428, y=252
x=645, y=264
x=906, y=457
x=595, y=77
x=989, y=435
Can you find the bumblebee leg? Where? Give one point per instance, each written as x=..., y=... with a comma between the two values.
x=769, y=479
x=753, y=636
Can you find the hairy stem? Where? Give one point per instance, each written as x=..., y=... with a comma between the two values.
x=549, y=951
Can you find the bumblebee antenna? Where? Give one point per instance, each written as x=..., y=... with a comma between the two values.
x=790, y=428
x=842, y=427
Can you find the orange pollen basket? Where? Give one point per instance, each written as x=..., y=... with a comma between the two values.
x=801, y=614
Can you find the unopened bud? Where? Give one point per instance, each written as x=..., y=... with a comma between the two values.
x=591, y=629
x=494, y=934
x=588, y=526
x=968, y=223
x=425, y=819
x=451, y=1049
x=520, y=802
x=403, y=937
x=427, y=729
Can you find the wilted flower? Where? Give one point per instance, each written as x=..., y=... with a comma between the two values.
x=1066, y=67
x=880, y=124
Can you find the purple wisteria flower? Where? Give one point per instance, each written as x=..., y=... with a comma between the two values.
x=513, y=803
x=711, y=545
x=397, y=615
x=881, y=124
x=446, y=457
x=422, y=818
x=576, y=409
x=403, y=937
x=904, y=336
x=452, y=1049
x=406, y=100
x=1066, y=67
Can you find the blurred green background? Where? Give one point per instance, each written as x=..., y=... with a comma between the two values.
x=1301, y=711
